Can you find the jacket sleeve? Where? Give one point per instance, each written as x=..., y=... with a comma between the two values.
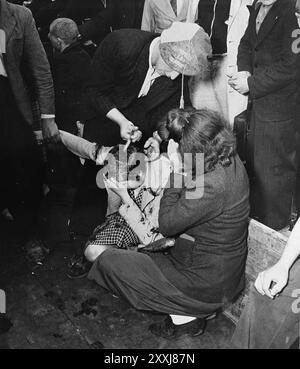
x=38, y=64
x=148, y=23
x=181, y=209
x=244, y=59
x=281, y=73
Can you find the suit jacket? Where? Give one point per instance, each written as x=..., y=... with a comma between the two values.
x=209, y=264
x=117, y=73
x=25, y=61
x=269, y=57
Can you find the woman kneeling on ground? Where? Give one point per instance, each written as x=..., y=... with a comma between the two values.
x=206, y=209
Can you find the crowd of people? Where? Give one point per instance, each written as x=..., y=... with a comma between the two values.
x=124, y=113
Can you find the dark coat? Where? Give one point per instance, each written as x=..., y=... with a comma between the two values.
x=69, y=74
x=127, y=13
x=269, y=57
x=210, y=269
x=25, y=61
x=117, y=73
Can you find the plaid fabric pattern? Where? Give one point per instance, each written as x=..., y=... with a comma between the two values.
x=115, y=231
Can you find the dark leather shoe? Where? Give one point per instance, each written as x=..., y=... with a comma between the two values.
x=5, y=324
x=167, y=329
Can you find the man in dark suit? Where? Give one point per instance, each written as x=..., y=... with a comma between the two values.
x=267, y=71
x=25, y=78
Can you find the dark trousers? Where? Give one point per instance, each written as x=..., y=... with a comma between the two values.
x=137, y=278
x=272, y=170
x=21, y=164
x=271, y=324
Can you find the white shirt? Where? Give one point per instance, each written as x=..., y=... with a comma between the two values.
x=2, y=51
x=151, y=74
x=159, y=15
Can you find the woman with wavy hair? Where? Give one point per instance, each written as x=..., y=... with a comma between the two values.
x=206, y=209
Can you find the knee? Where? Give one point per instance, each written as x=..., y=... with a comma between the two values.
x=92, y=252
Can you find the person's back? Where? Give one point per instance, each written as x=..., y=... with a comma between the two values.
x=220, y=248
x=69, y=69
x=69, y=72
x=212, y=214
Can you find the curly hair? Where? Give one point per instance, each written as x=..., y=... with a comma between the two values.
x=205, y=132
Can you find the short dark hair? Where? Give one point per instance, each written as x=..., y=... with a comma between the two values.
x=65, y=29
x=202, y=131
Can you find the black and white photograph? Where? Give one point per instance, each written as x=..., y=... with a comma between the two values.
x=150, y=177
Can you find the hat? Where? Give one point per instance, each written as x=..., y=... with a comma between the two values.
x=185, y=47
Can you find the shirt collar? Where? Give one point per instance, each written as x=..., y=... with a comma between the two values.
x=2, y=42
x=266, y=6
x=152, y=46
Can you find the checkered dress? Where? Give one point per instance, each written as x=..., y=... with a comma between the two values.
x=115, y=231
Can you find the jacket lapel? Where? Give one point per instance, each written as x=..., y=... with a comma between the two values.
x=7, y=20
x=269, y=22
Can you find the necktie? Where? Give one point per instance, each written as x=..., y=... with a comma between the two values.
x=174, y=6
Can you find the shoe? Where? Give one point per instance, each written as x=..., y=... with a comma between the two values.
x=78, y=267
x=167, y=329
x=5, y=324
x=36, y=251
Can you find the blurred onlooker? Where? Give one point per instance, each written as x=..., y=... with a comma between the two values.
x=160, y=14
x=225, y=21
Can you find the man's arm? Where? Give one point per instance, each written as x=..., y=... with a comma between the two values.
x=39, y=66
x=279, y=273
x=110, y=58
